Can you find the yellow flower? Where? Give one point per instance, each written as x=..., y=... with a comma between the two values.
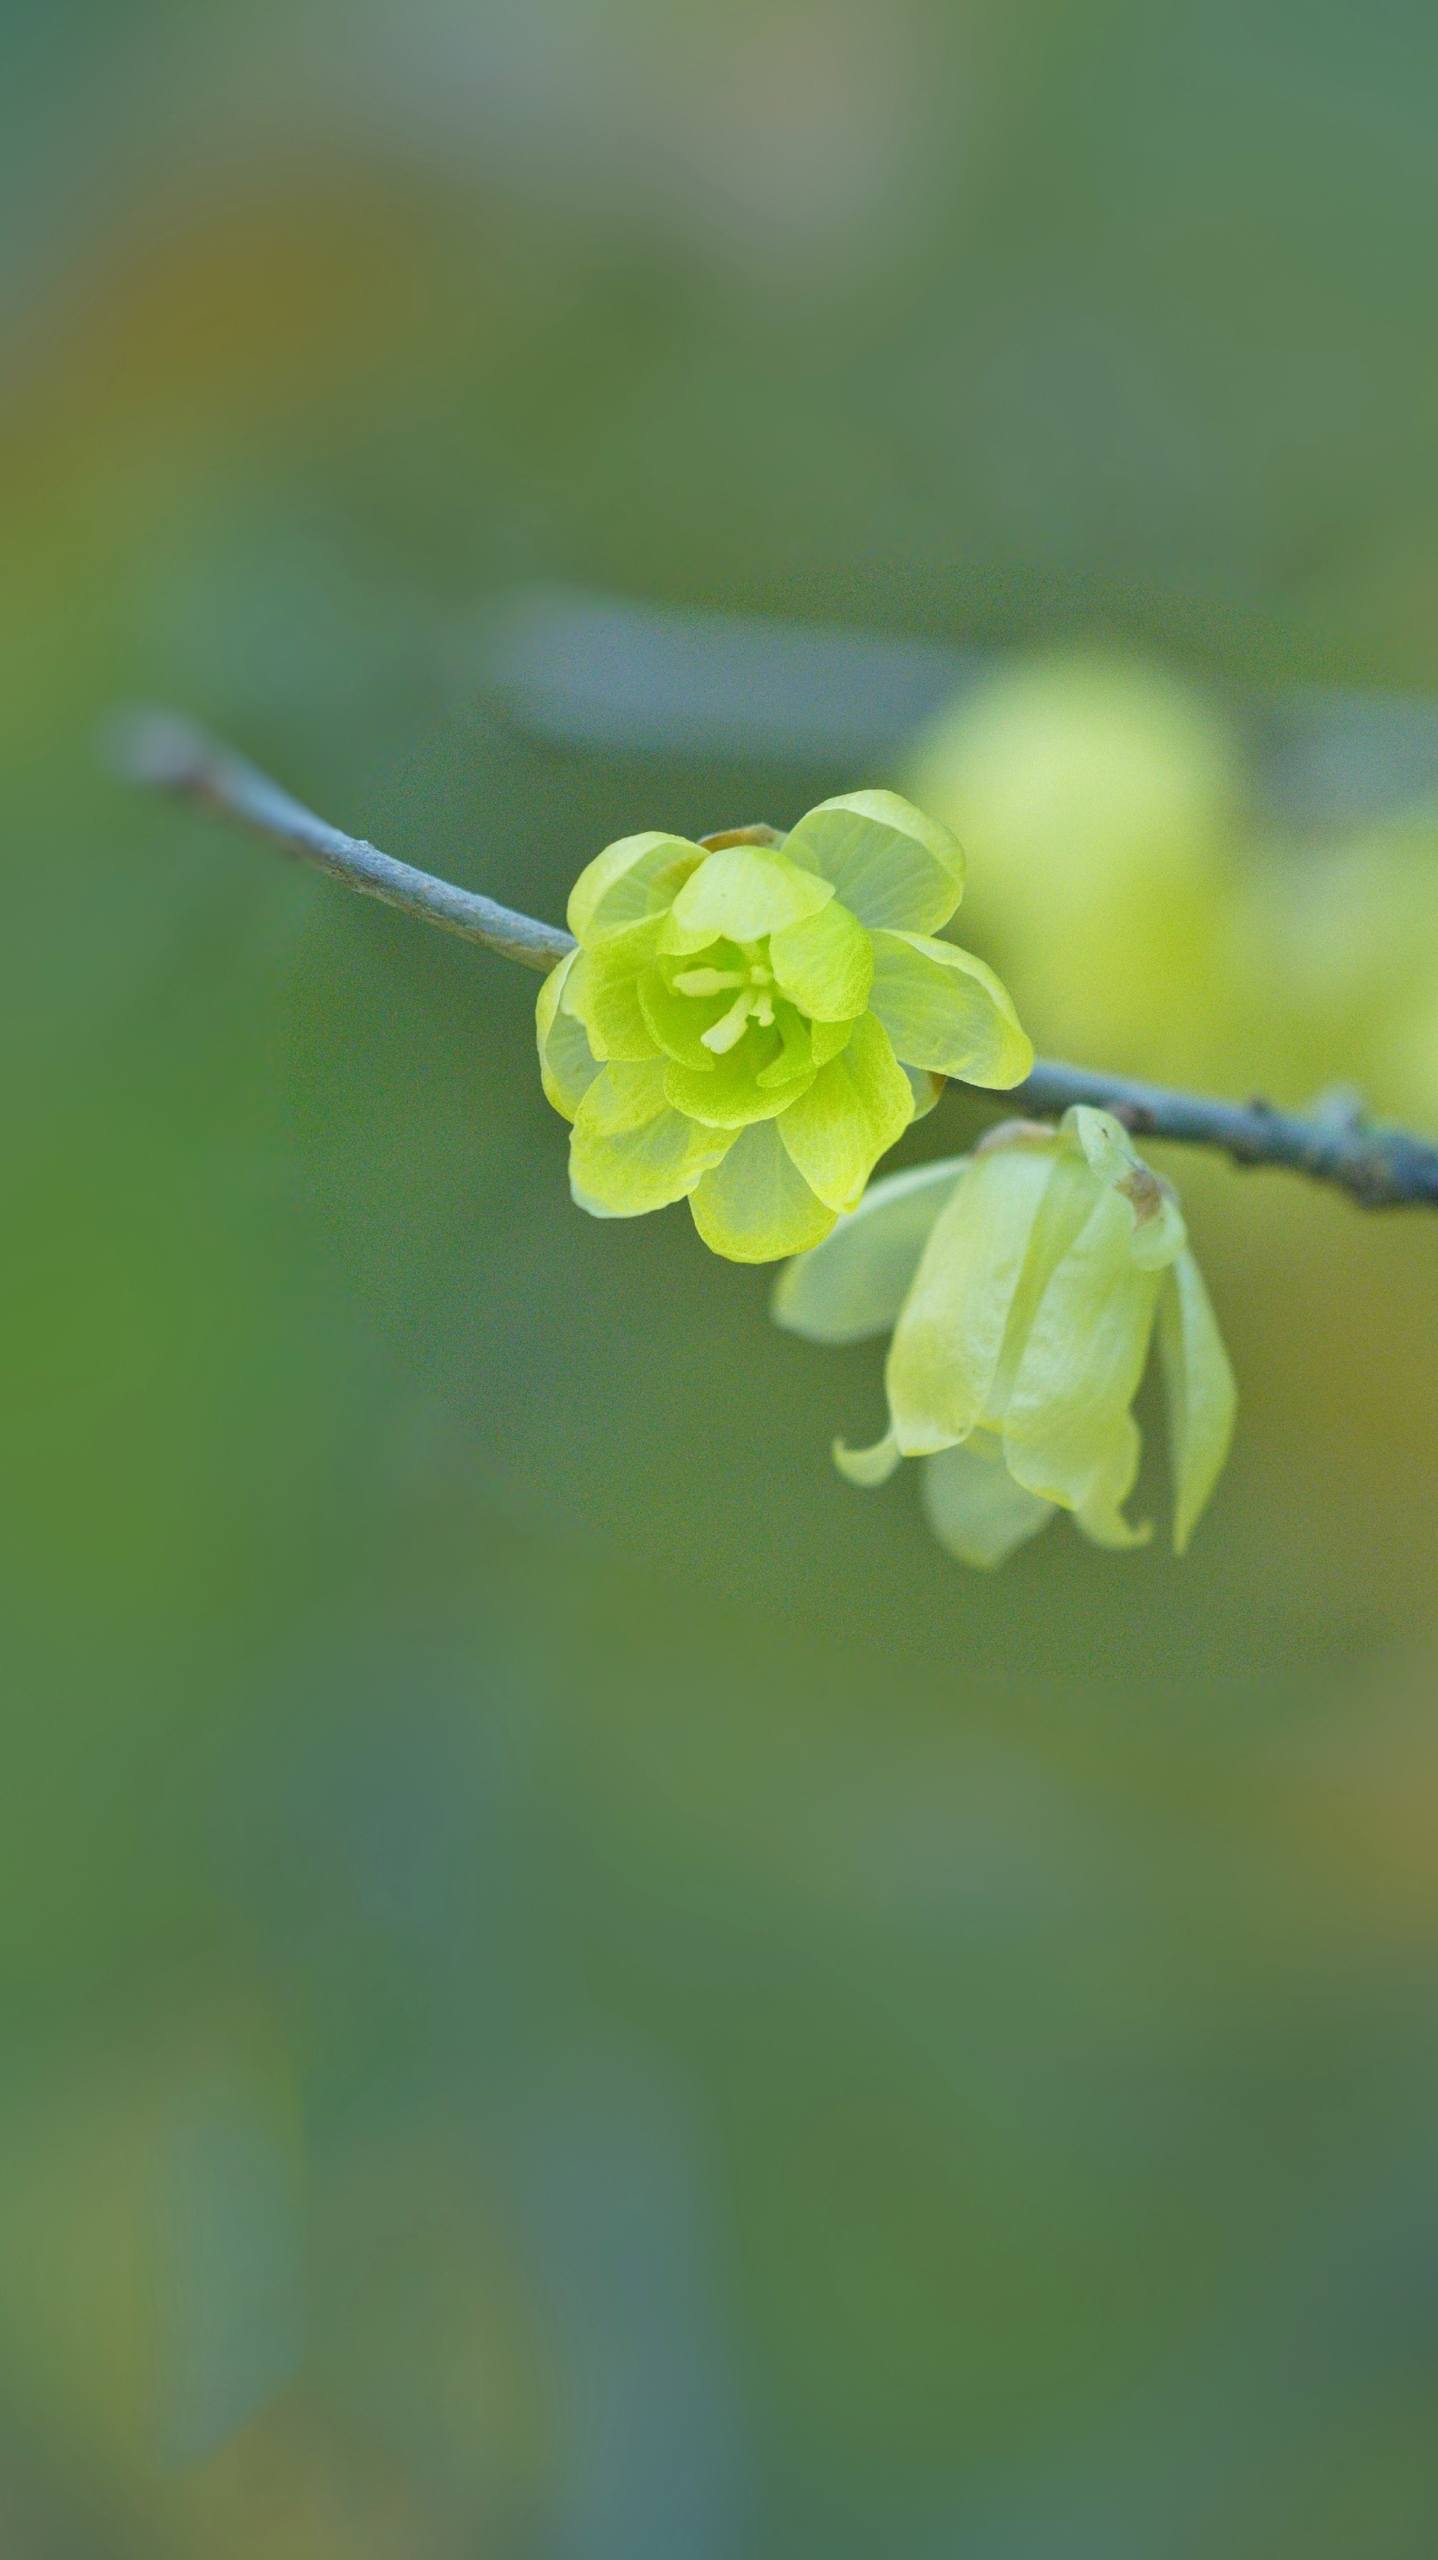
x=1024, y=1285
x=751, y=1025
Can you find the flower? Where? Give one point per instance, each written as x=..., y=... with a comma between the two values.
x=1024, y=1285
x=1109, y=799
x=749, y=1023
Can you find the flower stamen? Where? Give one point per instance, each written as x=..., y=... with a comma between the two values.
x=707, y=982
x=729, y=1030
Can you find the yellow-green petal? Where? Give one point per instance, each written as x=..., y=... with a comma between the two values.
x=677, y=1023
x=853, y=1284
x=1081, y=1362
x=603, y=990
x=629, y=1152
x=868, y=1467
x=755, y=1207
x=1159, y=1233
x=945, y=1010
x=567, y=1064
x=824, y=964
x=947, y=1344
x=741, y=894
x=623, y=1096
x=728, y=1094
x=796, y=1057
x=1200, y=1390
x=829, y=1040
x=926, y=1088
x=629, y=881
x=855, y=1109
x=975, y=1508
x=890, y=864
x=1100, y=1514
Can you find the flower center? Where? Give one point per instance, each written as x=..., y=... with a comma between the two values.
x=751, y=985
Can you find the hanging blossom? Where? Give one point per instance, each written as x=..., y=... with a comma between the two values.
x=749, y=1023
x=1024, y=1286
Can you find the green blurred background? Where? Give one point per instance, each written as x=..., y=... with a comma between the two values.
x=573, y=1990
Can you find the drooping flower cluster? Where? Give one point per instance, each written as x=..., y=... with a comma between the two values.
x=749, y=1024
x=1024, y=1286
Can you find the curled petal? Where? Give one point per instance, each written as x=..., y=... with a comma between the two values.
x=890, y=864
x=926, y=1088
x=855, y=1109
x=1100, y=1514
x=755, y=1206
x=567, y=1064
x=677, y=1022
x=1200, y=1391
x=740, y=894
x=975, y=1508
x=630, y=881
x=868, y=1467
x=1159, y=1232
x=629, y=1152
x=944, y=1010
x=796, y=1060
x=949, y=1339
x=824, y=964
x=853, y=1284
x=1081, y=1362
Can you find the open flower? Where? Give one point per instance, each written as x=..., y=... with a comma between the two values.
x=749, y=1023
x=1024, y=1285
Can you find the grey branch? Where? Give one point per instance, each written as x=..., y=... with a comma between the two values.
x=1383, y=1168
x=170, y=754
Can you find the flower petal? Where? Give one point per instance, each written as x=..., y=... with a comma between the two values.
x=567, y=1064
x=629, y=1152
x=1100, y=1514
x=944, y=1010
x=677, y=1023
x=868, y=1467
x=728, y=1094
x=624, y=1096
x=853, y=1284
x=1200, y=1390
x=603, y=990
x=890, y=864
x=740, y=894
x=636, y=878
x=855, y=1109
x=755, y=1207
x=975, y=1508
x=829, y=1040
x=926, y=1088
x=1081, y=1363
x=947, y=1343
x=1159, y=1233
x=824, y=964
x=796, y=1056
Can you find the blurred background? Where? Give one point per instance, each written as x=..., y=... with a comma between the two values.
x=573, y=1990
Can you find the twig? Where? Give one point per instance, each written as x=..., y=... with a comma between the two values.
x=1382, y=1168
x=171, y=755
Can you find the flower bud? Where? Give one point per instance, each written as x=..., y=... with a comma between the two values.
x=1024, y=1285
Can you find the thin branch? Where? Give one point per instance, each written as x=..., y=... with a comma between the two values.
x=1333, y=1142
x=1382, y=1168
x=171, y=755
